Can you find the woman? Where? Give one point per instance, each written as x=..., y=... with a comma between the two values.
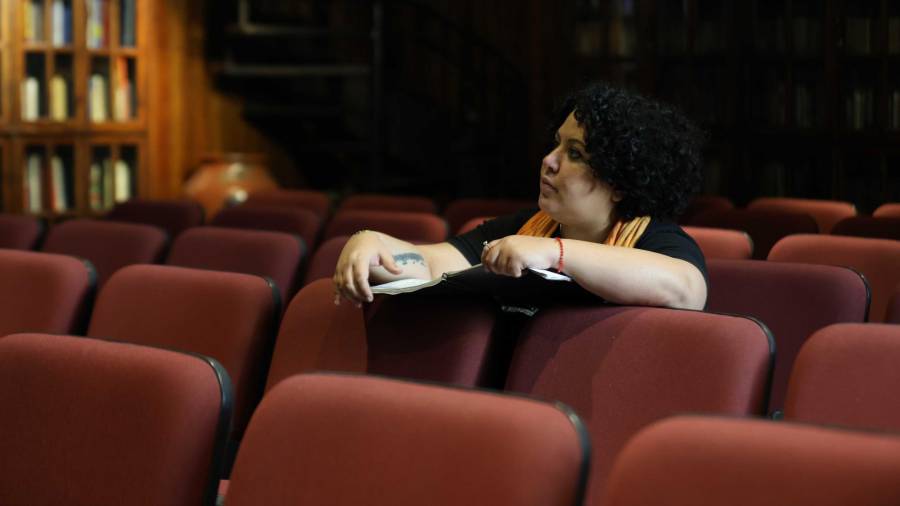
x=622, y=167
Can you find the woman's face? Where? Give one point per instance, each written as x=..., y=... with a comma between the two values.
x=570, y=193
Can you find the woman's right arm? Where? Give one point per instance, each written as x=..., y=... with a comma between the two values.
x=374, y=257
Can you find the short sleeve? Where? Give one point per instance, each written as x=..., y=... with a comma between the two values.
x=472, y=242
x=669, y=239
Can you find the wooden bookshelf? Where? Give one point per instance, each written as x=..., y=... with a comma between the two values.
x=75, y=70
x=800, y=97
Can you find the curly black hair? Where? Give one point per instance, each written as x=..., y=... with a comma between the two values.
x=647, y=151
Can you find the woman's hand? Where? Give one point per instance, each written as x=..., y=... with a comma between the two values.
x=363, y=251
x=514, y=253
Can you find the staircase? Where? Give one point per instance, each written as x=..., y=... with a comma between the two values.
x=377, y=95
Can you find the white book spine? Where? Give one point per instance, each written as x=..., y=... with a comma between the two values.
x=59, y=23
x=95, y=190
x=58, y=185
x=59, y=99
x=31, y=98
x=98, y=100
x=33, y=180
x=122, y=181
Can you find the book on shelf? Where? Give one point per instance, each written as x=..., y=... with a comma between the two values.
x=97, y=98
x=477, y=279
x=108, y=184
x=95, y=186
x=894, y=35
x=33, y=20
x=129, y=38
x=858, y=35
x=59, y=98
x=122, y=177
x=97, y=26
x=58, y=190
x=859, y=108
x=33, y=183
x=31, y=98
x=122, y=110
x=62, y=23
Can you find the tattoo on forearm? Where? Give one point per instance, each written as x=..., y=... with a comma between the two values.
x=409, y=258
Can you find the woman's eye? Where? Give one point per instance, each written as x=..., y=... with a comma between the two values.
x=574, y=154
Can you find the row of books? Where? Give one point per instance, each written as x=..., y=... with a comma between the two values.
x=123, y=97
x=97, y=28
x=109, y=182
x=61, y=21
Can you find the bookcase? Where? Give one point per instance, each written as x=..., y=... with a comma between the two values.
x=75, y=123
x=800, y=97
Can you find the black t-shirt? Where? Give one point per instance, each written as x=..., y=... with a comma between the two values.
x=664, y=237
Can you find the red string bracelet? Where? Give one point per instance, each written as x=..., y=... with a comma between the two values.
x=561, y=264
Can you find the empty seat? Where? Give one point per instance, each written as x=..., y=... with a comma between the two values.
x=621, y=368
x=877, y=259
x=826, y=212
x=765, y=228
x=793, y=300
x=693, y=461
x=847, y=375
x=42, y=292
x=324, y=260
x=108, y=246
x=868, y=226
x=275, y=255
x=224, y=315
x=471, y=224
x=413, y=227
x=722, y=243
x=893, y=311
x=446, y=339
x=704, y=203
x=311, y=200
x=888, y=210
x=400, y=203
x=461, y=211
x=95, y=423
x=300, y=222
x=173, y=216
x=349, y=440
x=20, y=232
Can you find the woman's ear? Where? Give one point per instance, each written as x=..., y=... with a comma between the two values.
x=617, y=196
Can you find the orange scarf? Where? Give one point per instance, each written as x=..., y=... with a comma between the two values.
x=623, y=233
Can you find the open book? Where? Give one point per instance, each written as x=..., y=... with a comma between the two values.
x=477, y=279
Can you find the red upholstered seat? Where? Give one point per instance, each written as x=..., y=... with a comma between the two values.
x=461, y=211
x=868, y=226
x=793, y=300
x=877, y=259
x=893, y=311
x=721, y=243
x=888, y=210
x=446, y=339
x=300, y=222
x=325, y=258
x=621, y=368
x=826, y=212
x=20, y=232
x=413, y=227
x=350, y=440
x=275, y=255
x=472, y=224
x=693, y=461
x=704, y=203
x=173, y=216
x=399, y=203
x=108, y=246
x=847, y=374
x=42, y=292
x=224, y=315
x=311, y=200
x=95, y=423
x=765, y=228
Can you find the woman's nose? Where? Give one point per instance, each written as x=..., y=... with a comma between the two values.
x=551, y=161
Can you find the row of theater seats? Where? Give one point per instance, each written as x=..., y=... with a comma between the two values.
x=95, y=421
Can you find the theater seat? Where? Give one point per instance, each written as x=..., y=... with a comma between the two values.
x=398, y=203
x=765, y=228
x=888, y=210
x=413, y=227
x=300, y=222
x=461, y=211
x=721, y=243
x=173, y=216
x=311, y=200
x=826, y=212
x=325, y=258
x=20, y=232
x=869, y=226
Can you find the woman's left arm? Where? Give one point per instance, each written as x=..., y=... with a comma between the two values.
x=621, y=275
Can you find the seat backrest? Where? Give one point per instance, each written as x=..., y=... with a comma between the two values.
x=406, y=444
x=108, y=246
x=446, y=339
x=888, y=210
x=224, y=315
x=461, y=211
x=765, y=228
x=400, y=203
x=868, y=226
x=276, y=255
x=793, y=300
x=173, y=216
x=472, y=224
x=877, y=259
x=19, y=231
x=300, y=222
x=95, y=423
x=42, y=292
x=722, y=243
x=311, y=200
x=893, y=311
x=704, y=203
x=413, y=227
x=707, y=461
x=825, y=212
x=325, y=258
x=847, y=374
x=621, y=368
